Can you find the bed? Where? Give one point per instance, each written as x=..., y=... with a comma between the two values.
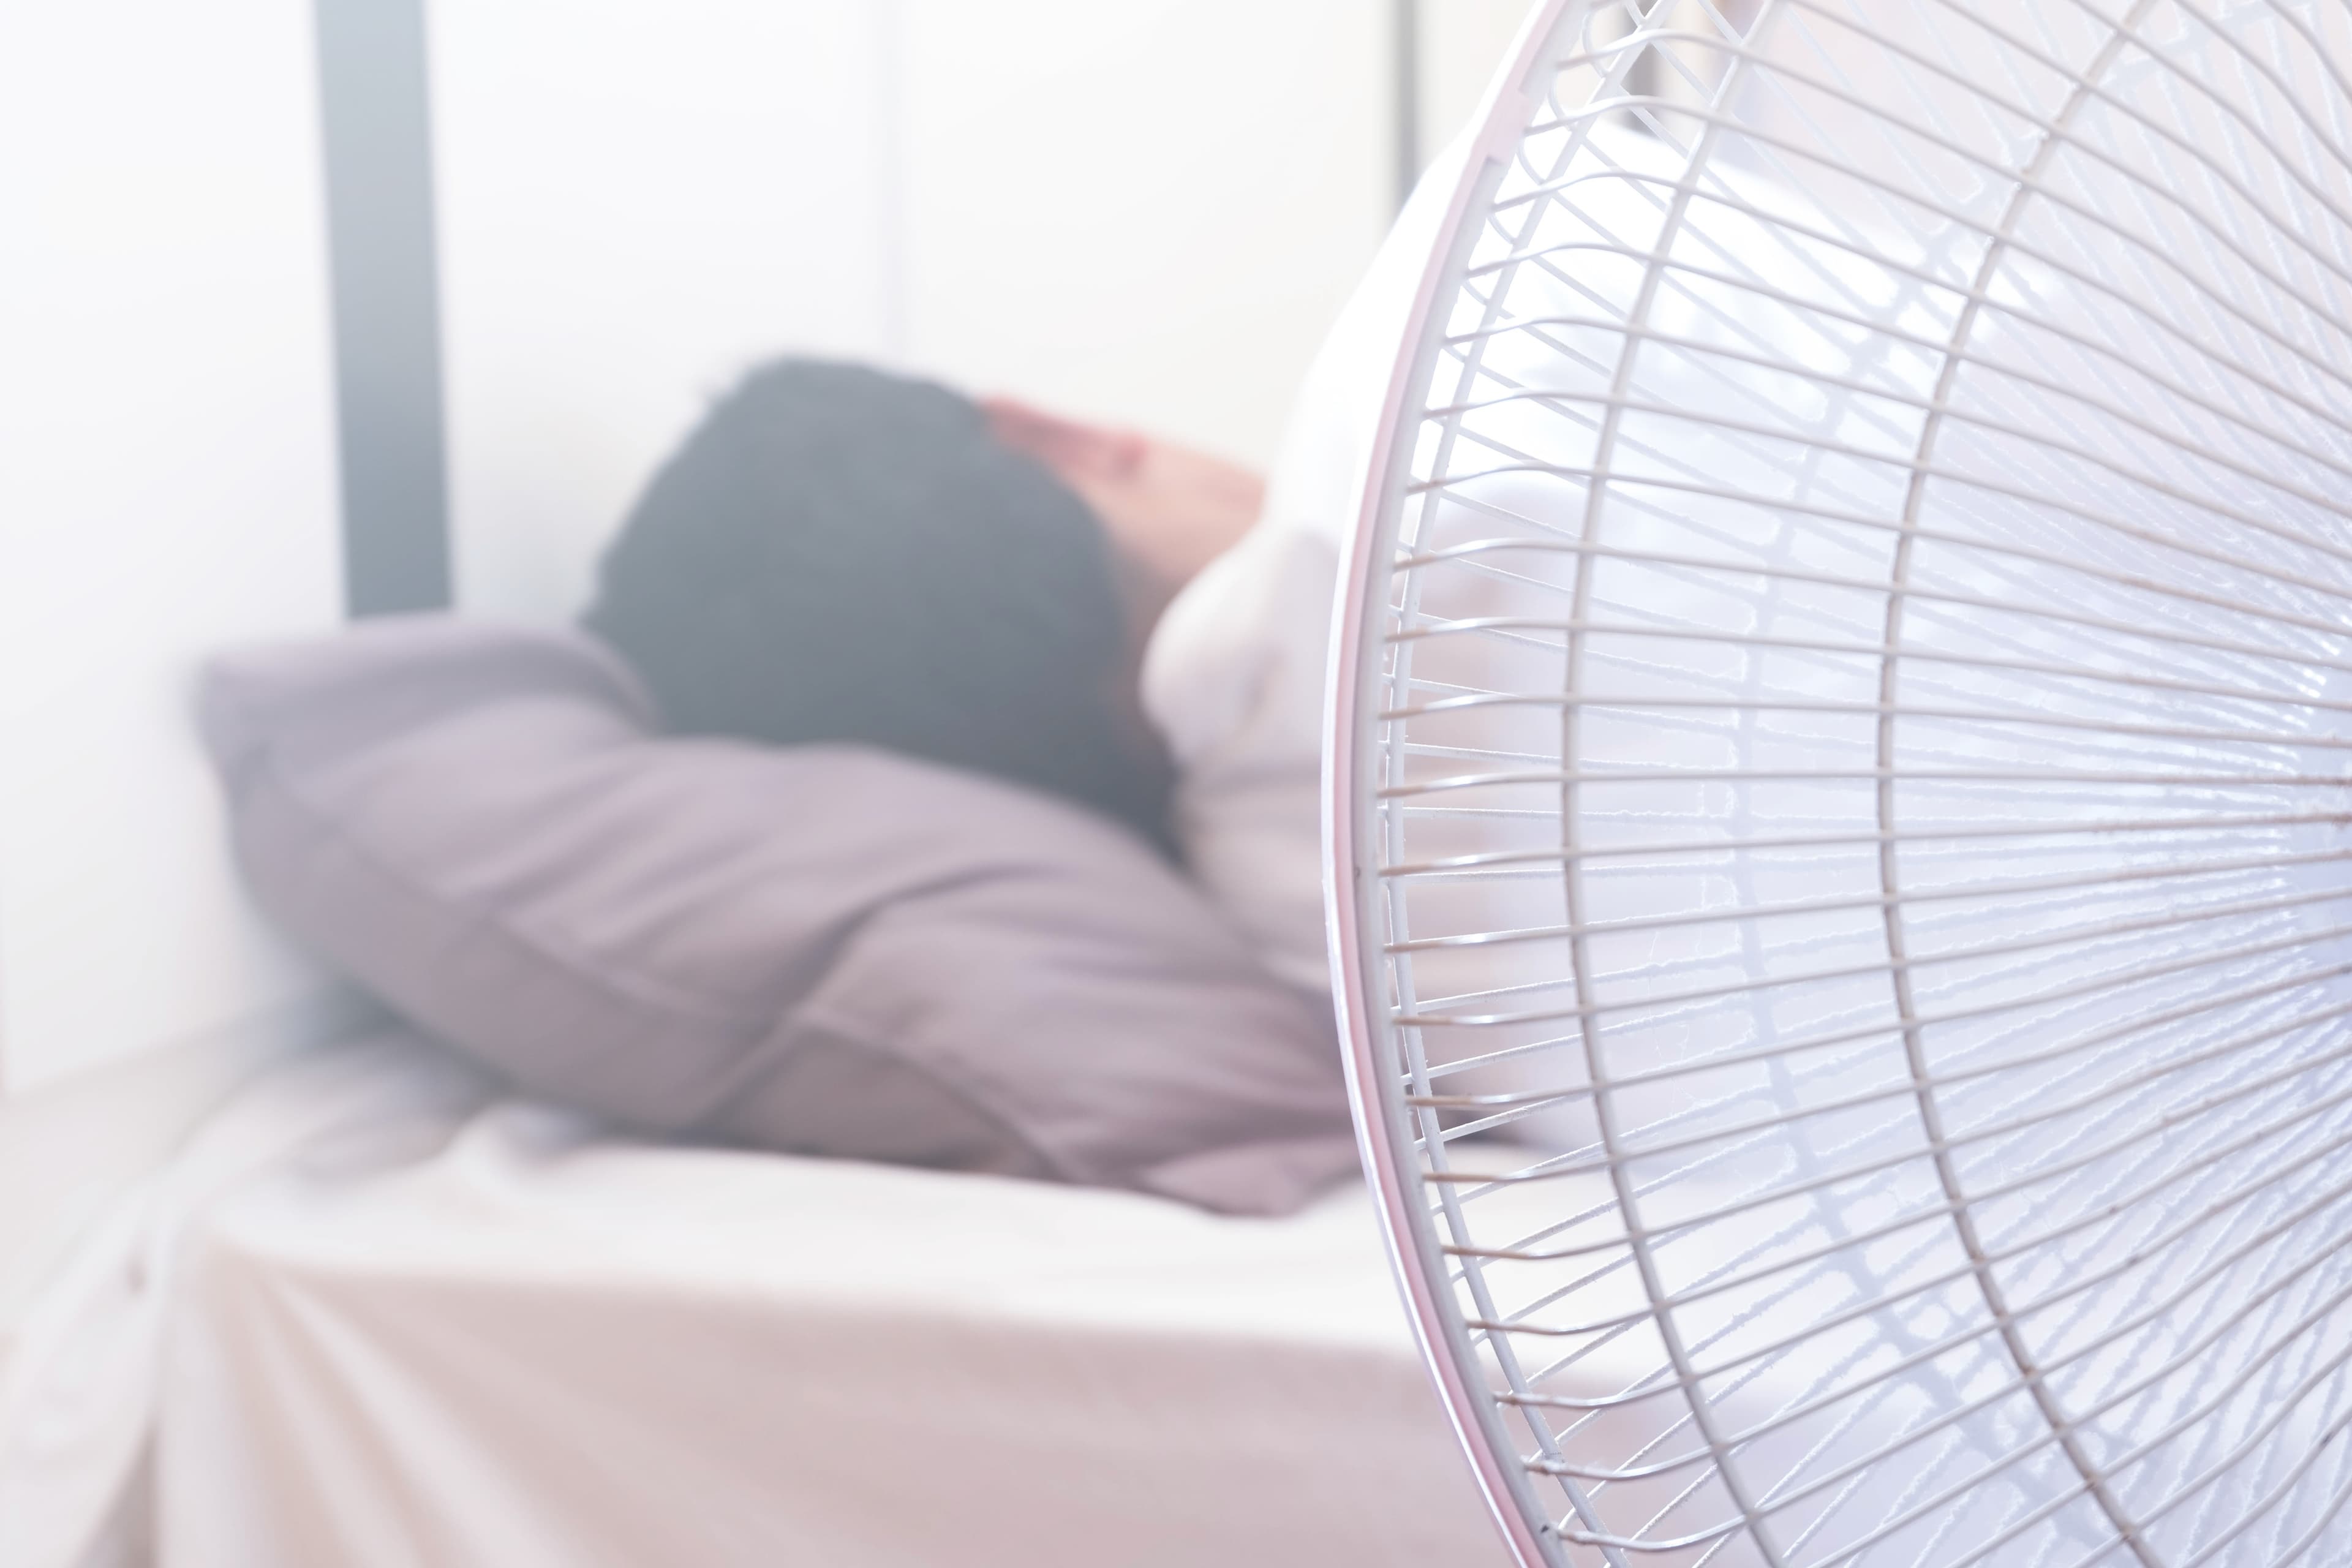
x=423, y=1322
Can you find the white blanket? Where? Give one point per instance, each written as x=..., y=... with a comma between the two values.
x=377, y=1316
x=79, y=1397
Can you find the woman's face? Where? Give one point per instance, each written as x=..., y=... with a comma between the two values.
x=1169, y=511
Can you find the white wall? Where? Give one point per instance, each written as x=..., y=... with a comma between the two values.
x=166, y=485
x=636, y=201
x=1149, y=211
x=1462, y=43
x=1145, y=212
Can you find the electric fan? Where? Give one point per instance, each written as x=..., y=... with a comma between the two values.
x=1838, y=797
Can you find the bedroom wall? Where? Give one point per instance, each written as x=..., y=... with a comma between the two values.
x=1144, y=212
x=167, y=485
x=636, y=200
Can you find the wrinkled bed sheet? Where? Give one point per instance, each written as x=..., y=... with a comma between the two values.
x=410, y=1322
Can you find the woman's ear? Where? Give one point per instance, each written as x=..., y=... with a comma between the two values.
x=1071, y=448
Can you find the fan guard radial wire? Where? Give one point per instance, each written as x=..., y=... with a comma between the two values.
x=1838, y=804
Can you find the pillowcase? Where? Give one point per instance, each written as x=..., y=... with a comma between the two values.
x=825, y=950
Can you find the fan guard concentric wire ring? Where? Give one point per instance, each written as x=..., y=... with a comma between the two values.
x=1838, y=795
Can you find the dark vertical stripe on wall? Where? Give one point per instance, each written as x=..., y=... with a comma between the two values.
x=1404, y=53
x=387, y=316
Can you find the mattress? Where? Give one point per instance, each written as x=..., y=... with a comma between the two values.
x=493, y=1333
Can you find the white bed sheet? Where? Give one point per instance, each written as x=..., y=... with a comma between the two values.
x=522, y=1342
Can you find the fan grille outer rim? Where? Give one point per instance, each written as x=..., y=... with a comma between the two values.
x=1411, y=1243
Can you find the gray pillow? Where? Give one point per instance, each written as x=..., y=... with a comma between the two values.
x=823, y=948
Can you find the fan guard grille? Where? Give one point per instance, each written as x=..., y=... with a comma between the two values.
x=1843, y=726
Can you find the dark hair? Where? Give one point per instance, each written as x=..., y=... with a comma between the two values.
x=840, y=554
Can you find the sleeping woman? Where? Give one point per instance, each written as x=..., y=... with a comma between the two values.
x=840, y=554
x=836, y=554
